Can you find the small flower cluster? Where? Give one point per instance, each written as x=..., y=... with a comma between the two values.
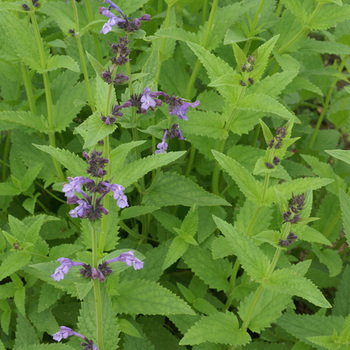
x=276, y=143
x=90, y=272
x=292, y=215
x=290, y=239
x=66, y=332
x=35, y=4
x=248, y=66
x=123, y=22
x=90, y=206
x=173, y=132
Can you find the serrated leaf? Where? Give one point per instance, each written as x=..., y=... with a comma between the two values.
x=136, y=210
x=100, y=97
x=177, y=248
x=246, y=182
x=331, y=259
x=209, y=124
x=267, y=310
x=297, y=9
x=148, y=298
x=20, y=298
x=329, y=47
x=60, y=61
x=342, y=296
x=309, y=234
x=300, y=186
x=263, y=103
x=13, y=262
x=215, y=67
x=287, y=281
x=131, y=172
x=345, y=208
x=343, y=155
x=26, y=121
x=95, y=64
x=8, y=189
x=30, y=175
x=262, y=54
x=177, y=34
x=96, y=130
x=119, y=154
x=25, y=333
x=75, y=165
x=173, y=189
x=190, y=224
x=303, y=326
x=48, y=297
x=219, y=328
x=212, y=272
x=253, y=260
x=328, y=16
x=87, y=319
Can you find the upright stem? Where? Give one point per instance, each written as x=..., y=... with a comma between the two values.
x=94, y=35
x=28, y=88
x=326, y=103
x=253, y=27
x=106, y=149
x=97, y=292
x=47, y=91
x=194, y=74
x=82, y=58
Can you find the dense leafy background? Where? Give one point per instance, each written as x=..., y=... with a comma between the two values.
x=205, y=217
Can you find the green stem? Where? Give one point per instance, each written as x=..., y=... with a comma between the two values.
x=28, y=88
x=326, y=103
x=82, y=58
x=50, y=193
x=94, y=35
x=97, y=292
x=253, y=27
x=6, y=155
x=232, y=284
x=279, y=8
x=204, y=11
x=260, y=289
x=47, y=91
x=193, y=77
x=256, y=135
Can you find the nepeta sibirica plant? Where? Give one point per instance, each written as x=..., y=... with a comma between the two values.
x=174, y=174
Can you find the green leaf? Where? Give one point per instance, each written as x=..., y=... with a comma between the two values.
x=87, y=319
x=328, y=16
x=149, y=298
x=342, y=296
x=329, y=47
x=30, y=175
x=136, y=210
x=287, y=281
x=96, y=130
x=331, y=259
x=267, y=310
x=201, y=123
x=177, y=248
x=340, y=154
x=75, y=165
x=309, y=234
x=246, y=182
x=119, y=154
x=101, y=93
x=61, y=61
x=300, y=186
x=20, y=298
x=48, y=297
x=190, y=224
x=297, y=9
x=219, y=328
x=8, y=189
x=25, y=333
x=304, y=326
x=26, y=121
x=13, y=262
x=174, y=189
x=215, y=67
x=262, y=55
x=263, y=103
x=213, y=272
x=131, y=172
x=177, y=34
x=252, y=259
x=95, y=64
x=345, y=207
x=325, y=170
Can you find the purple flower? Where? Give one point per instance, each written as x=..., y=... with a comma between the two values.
x=146, y=100
x=129, y=259
x=66, y=332
x=73, y=186
x=162, y=146
x=181, y=109
x=81, y=210
x=112, y=21
x=176, y=132
x=63, y=269
x=118, y=194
